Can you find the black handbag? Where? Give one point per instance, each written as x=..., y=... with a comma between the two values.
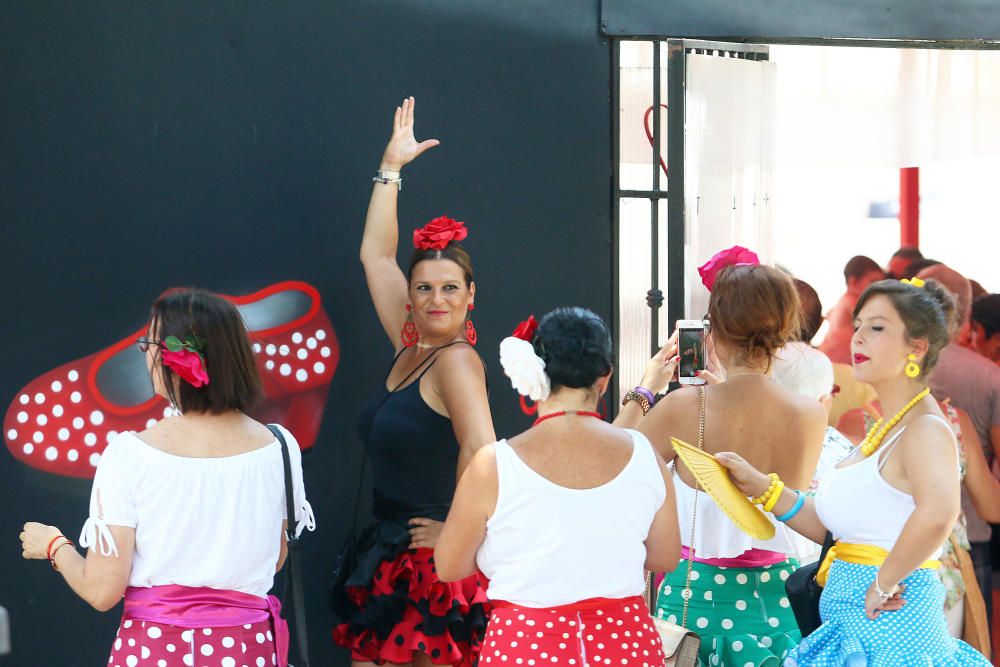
x=293, y=564
x=804, y=592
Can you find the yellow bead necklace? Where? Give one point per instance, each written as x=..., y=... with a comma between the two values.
x=873, y=440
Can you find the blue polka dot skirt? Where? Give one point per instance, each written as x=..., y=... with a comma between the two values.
x=913, y=636
x=741, y=614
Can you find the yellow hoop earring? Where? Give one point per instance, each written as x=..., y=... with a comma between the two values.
x=913, y=368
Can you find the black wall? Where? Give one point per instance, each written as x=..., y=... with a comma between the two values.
x=231, y=145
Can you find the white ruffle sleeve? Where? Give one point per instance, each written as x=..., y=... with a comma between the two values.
x=111, y=500
x=304, y=517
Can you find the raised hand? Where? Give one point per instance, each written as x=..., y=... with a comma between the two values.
x=660, y=369
x=403, y=147
x=750, y=481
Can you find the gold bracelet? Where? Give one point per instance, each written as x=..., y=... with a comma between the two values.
x=643, y=402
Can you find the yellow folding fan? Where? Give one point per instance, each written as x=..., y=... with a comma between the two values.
x=713, y=478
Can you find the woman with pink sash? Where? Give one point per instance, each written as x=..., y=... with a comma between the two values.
x=187, y=517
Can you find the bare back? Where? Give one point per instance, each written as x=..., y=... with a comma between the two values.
x=772, y=428
x=208, y=436
x=579, y=453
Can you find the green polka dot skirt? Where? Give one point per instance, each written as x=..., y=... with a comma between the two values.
x=741, y=614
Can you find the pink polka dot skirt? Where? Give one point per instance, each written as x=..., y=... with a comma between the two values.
x=587, y=634
x=148, y=644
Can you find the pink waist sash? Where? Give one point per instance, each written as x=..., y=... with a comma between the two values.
x=189, y=607
x=751, y=558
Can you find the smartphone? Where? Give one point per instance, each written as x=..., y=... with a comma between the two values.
x=691, y=348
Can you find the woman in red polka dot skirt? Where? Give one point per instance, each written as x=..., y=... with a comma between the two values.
x=564, y=518
x=185, y=516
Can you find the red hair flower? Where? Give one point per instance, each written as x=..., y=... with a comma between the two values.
x=184, y=358
x=735, y=256
x=526, y=329
x=438, y=233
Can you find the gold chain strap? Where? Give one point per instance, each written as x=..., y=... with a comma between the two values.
x=694, y=513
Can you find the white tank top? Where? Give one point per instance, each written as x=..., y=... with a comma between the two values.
x=858, y=506
x=548, y=545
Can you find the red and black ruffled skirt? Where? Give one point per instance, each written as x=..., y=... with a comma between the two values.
x=389, y=604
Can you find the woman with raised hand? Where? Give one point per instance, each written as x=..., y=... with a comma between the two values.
x=890, y=505
x=420, y=430
x=186, y=518
x=564, y=517
x=737, y=582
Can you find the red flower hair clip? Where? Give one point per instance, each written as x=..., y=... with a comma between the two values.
x=526, y=329
x=185, y=358
x=438, y=233
x=735, y=256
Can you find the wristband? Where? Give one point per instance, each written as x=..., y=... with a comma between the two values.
x=650, y=397
x=52, y=559
x=48, y=549
x=800, y=500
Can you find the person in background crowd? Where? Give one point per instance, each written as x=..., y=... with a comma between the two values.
x=738, y=604
x=859, y=273
x=186, y=517
x=972, y=383
x=806, y=371
x=564, y=517
x=919, y=265
x=900, y=262
x=890, y=505
x=978, y=291
x=985, y=324
x=420, y=430
x=812, y=311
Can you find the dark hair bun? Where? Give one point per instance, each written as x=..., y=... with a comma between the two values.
x=575, y=344
x=944, y=297
x=754, y=309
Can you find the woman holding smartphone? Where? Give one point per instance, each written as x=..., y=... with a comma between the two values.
x=738, y=604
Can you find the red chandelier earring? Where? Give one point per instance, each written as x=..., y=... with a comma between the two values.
x=470, y=328
x=410, y=335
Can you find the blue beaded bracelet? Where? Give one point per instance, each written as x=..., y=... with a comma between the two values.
x=800, y=500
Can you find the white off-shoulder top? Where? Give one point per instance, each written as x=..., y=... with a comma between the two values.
x=213, y=522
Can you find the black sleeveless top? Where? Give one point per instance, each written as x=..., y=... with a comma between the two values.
x=413, y=450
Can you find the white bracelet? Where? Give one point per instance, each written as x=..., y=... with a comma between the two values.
x=883, y=594
x=385, y=176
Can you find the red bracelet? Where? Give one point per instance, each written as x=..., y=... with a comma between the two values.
x=52, y=560
x=48, y=550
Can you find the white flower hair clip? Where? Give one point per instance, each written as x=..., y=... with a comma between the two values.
x=525, y=369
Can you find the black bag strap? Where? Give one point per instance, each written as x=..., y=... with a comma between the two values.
x=827, y=543
x=293, y=575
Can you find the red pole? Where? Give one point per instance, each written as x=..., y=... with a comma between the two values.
x=909, y=207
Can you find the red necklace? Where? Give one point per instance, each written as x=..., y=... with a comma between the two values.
x=561, y=413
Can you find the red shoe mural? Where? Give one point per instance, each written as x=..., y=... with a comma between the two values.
x=62, y=421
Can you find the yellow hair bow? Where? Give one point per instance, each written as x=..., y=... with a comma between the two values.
x=915, y=282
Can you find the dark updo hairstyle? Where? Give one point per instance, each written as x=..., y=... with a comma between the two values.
x=234, y=381
x=754, y=310
x=575, y=344
x=453, y=251
x=925, y=312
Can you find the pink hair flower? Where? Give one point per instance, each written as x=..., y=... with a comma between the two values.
x=735, y=256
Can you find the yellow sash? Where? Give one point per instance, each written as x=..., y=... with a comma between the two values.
x=860, y=554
